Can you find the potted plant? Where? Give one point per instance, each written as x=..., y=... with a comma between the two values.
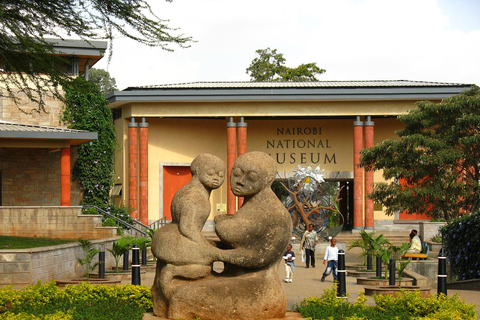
x=89, y=252
x=142, y=244
x=364, y=244
x=119, y=248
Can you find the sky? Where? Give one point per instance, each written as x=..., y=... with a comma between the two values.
x=422, y=40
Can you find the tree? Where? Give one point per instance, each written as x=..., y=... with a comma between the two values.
x=270, y=66
x=102, y=78
x=434, y=167
x=31, y=66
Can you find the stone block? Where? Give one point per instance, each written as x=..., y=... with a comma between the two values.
x=16, y=267
x=12, y=257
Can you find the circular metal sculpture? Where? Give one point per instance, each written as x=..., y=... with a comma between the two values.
x=313, y=200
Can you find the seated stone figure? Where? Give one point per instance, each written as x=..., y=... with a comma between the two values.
x=253, y=242
x=180, y=247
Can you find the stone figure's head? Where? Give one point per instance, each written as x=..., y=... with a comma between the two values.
x=209, y=169
x=251, y=173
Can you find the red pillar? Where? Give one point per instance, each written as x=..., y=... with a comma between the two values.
x=242, y=145
x=369, y=141
x=133, y=168
x=65, y=177
x=231, y=156
x=357, y=175
x=143, y=148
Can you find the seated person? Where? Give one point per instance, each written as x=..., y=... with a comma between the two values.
x=415, y=243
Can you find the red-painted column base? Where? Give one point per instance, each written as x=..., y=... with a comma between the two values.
x=231, y=156
x=369, y=209
x=357, y=175
x=65, y=177
x=133, y=168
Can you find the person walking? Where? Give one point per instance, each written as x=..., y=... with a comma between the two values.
x=309, y=241
x=289, y=258
x=331, y=259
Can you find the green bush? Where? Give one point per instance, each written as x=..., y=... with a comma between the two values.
x=437, y=238
x=84, y=301
x=406, y=305
x=461, y=238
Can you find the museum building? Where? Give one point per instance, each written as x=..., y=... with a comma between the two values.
x=161, y=129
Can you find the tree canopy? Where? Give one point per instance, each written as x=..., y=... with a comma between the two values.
x=102, y=78
x=270, y=66
x=434, y=167
x=28, y=58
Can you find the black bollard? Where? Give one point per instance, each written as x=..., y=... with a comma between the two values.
x=378, y=266
x=101, y=265
x=369, y=263
x=342, y=283
x=125, y=260
x=135, y=265
x=391, y=272
x=442, y=274
x=144, y=257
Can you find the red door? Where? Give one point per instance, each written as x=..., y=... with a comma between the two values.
x=174, y=177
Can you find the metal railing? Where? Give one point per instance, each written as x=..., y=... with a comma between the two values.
x=133, y=230
x=158, y=224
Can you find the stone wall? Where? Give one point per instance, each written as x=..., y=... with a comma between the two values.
x=52, y=222
x=427, y=268
x=25, y=111
x=27, y=266
x=31, y=177
x=430, y=229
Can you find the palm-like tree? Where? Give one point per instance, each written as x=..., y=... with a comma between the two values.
x=119, y=248
x=89, y=252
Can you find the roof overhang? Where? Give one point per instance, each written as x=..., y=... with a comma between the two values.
x=22, y=135
x=79, y=47
x=88, y=52
x=323, y=91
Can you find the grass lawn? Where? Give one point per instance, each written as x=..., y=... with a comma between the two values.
x=7, y=242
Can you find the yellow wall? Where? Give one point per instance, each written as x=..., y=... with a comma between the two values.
x=324, y=143
x=175, y=141
x=267, y=108
x=179, y=131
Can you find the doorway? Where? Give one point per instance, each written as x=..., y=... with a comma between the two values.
x=174, y=177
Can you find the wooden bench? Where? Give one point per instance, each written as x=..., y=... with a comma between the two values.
x=422, y=256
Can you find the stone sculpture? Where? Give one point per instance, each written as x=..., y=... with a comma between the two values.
x=252, y=243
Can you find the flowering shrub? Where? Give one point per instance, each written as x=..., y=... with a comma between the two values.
x=84, y=301
x=406, y=305
x=461, y=240
x=86, y=109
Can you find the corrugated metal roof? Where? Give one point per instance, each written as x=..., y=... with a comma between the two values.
x=18, y=127
x=369, y=90
x=303, y=84
x=12, y=130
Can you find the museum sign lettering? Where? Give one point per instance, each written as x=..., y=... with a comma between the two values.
x=301, y=145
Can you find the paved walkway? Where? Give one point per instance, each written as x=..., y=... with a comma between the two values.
x=306, y=283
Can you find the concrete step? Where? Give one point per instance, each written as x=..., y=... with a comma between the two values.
x=395, y=237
